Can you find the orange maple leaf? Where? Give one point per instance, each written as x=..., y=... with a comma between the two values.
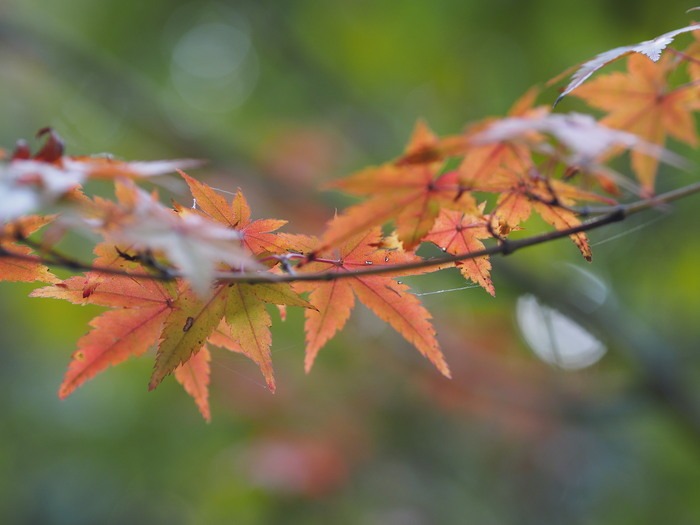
x=459, y=233
x=194, y=378
x=195, y=244
x=257, y=236
x=525, y=189
x=409, y=193
x=18, y=268
x=390, y=300
x=131, y=328
x=642, y=102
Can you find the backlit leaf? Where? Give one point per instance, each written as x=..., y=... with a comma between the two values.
x=387, y=298
x=194, y=378
x=457, y=233
x=186, y=329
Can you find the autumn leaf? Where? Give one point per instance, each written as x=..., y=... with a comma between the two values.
x=650, y=48
x=390, y=300
x=194, y=378
x=641, y=102
x=411, y=194
x=485, y=160
x=133, y=325
x=586, y=140
x=425, y=147
x=189, y=324
x=257, y=236
x=32, y=183
x=115, y=336
x=459, y=233
x=194, y=244
x=233, y=316
x=521, y=188
x=13, y=268
x=248, y=322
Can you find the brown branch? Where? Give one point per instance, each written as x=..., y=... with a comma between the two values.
x=506, y=247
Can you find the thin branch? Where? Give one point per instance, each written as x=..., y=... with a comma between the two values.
x=505, y=247
x=618, y=213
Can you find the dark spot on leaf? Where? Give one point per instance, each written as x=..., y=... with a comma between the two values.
x=392, y=290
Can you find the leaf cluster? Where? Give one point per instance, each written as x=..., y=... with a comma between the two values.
x=187, y=277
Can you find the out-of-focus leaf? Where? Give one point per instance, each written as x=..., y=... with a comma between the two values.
x=650, y=48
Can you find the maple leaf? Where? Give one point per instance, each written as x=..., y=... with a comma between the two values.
x=194, y=378
x=195, y=244
x=521, y=185
x=411, y=194
x=650, y=48
x=190, y=322
x=234, y=317
x=641, y=102
x=140, y=308
x=257, y=236
x=248, y=323
x=425, y=147
x=387, y=298
x=586, y=139
x=19, y=268
x=459, y=233
x=486, y=161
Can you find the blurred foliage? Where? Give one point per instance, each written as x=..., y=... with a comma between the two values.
x=280, y=97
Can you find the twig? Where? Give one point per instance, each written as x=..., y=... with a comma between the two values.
x=617, y=214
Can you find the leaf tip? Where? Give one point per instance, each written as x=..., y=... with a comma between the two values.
x=64, y=391
x=445, y=371
x=154, y=382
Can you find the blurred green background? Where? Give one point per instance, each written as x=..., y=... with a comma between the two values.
x=281, y=97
